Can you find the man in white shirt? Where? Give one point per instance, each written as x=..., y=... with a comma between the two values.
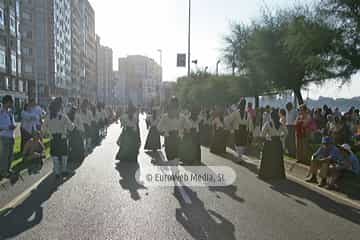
x=290, y=123
x=7, y=136
x=38, y=112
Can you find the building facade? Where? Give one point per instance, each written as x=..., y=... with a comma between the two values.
x=59, y=51
x=142, y=79
x=89, y=84
x=105, y=79
x=11, y=78
x=119, y=88
x=46, y=38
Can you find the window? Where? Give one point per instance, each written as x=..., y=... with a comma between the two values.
x=6, y=83
x=13, y=63
x=28, y=35
x=2, y=17
x=21, y=86
x=2, y=59
x=28, y=68
x=12, y=24
x=27, y=16
x=28, y=52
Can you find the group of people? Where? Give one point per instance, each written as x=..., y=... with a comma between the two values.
x=73, y=129
x=186, y=130
x=240, y=126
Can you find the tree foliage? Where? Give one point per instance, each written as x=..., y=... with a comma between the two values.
x=287, y=50
x=345, y=16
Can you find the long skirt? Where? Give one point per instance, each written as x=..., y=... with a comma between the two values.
x=25, y=137
x=272, y=160
x=219, y=141
x=302, y=149
x=58, y=146
x=129, y=145
x=153, y=139
x=94, y=132
x=172, y=145
x=76, y=146
x=241, y=136
x=205, y=134
x=190, y=149
x=290, y=142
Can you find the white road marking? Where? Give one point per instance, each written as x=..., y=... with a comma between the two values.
x=24, y=194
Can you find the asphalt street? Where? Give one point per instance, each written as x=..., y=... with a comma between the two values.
x=102, y=201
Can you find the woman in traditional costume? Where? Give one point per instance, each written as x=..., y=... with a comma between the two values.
x=219, y=137
x=190, y=149
x=169, y=126
x=58, y=125
x=153, y=138
x=128, y=141
x=272, y=160
x=242, y=125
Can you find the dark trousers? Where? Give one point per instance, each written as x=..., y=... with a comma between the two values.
x=6, y=154
x=290, y=141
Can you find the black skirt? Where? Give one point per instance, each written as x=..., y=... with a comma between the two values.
x=87, y=130
x=190, y=149
x=172, y=145
x=25, y=137
x=219, y=141
x=153, y=139
x=272, y=160
x=129, y=145
x=205, y=134
x=76, y=146
x=241, y=136
x=58, y=146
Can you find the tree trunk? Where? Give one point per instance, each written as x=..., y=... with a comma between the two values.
x=257, y=102
x=298, y=95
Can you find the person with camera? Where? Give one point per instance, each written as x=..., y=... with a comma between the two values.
x=7, y=136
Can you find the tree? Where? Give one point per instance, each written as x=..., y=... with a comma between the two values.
x=345, y=16
x=288, y=50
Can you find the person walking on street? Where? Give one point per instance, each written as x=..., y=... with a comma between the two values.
x=58, y=125
x=28, y=125
x=7, y=136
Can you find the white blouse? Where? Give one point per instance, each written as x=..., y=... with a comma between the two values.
x=237, y=121
x=217, y=123
x=269, y=130
x=127, y=122
x=166, y=124
x=61, y=124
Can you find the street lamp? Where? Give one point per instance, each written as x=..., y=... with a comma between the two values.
x=160, y=51
x=206, y=68
x=217, y=67
x=189, y=21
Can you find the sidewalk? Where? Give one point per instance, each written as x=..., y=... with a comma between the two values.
x=349, y=188
x=297, y=172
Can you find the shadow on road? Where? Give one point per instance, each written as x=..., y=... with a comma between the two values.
x=289, y=189
x=29, y=213
x=127, y=171
x=202, y=223
x=301, y=194
x=228, y=190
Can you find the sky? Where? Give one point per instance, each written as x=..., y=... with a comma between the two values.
x=144, y=26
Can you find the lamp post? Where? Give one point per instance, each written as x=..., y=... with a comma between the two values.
x=217, y=67
x=206, y=68
x=189, y=22
x=161, y=66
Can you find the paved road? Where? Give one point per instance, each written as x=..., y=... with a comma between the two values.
x=101, y=202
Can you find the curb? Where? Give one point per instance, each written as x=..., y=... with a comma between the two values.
x=326, y=193
x=5, y=183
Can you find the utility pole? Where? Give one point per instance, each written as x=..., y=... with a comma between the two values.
x=188, y=62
